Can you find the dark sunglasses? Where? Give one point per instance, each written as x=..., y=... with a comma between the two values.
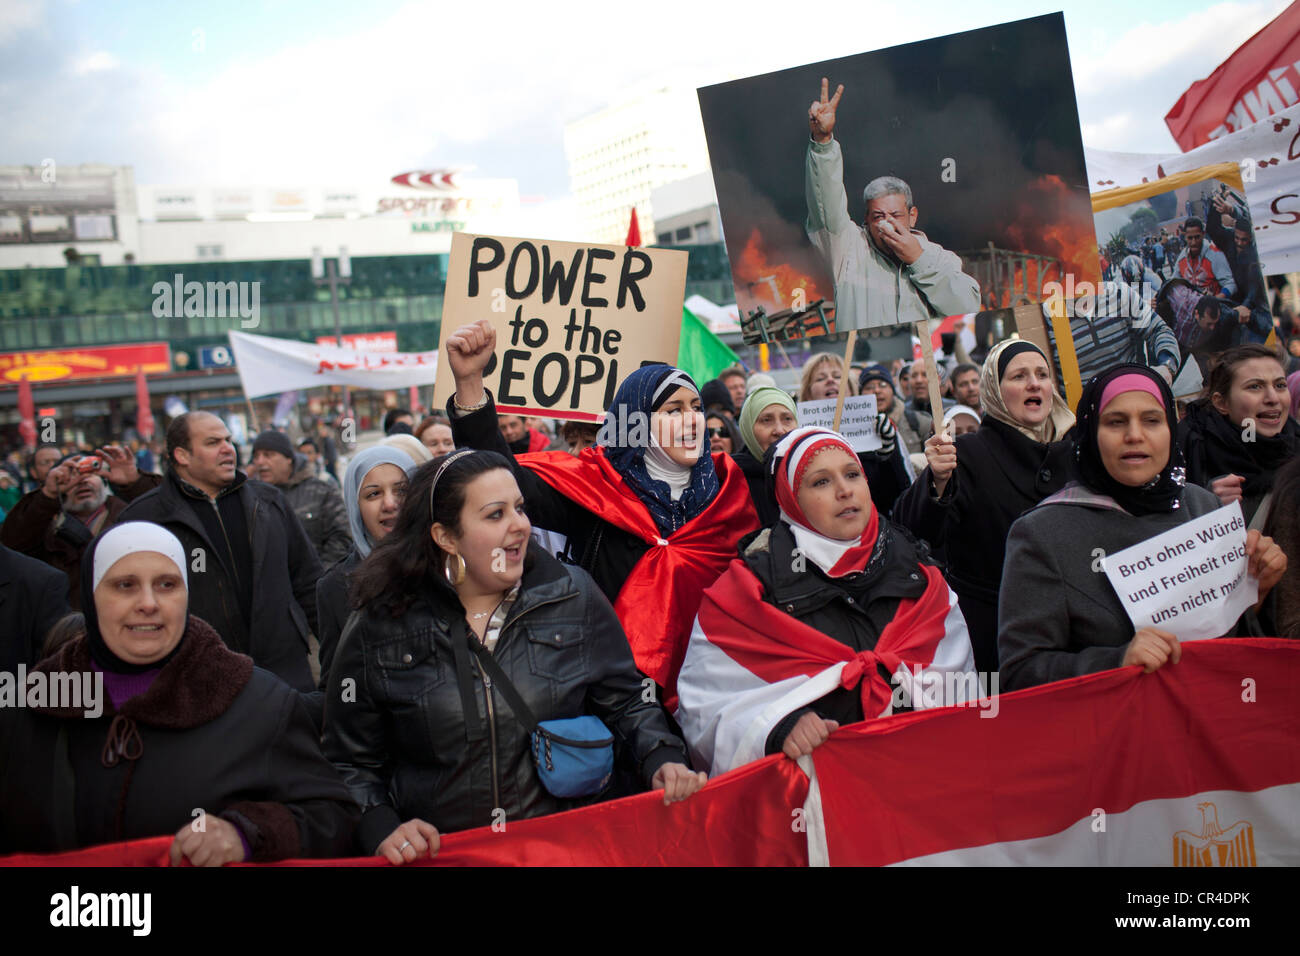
x=717, y=433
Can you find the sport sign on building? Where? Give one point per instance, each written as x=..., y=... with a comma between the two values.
x=572, y=321
x=53, y=365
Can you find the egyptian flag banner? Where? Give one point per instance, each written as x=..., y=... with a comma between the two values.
x=1193, y=765
x=750, y=665
x=658, y=602
x=1196, y=764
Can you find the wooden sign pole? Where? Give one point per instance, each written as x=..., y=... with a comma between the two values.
x=844, y=383
x=931, y=374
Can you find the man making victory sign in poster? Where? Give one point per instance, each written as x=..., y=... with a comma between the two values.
x=887, y=272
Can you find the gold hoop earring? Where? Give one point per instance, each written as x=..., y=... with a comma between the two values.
x=458, y=577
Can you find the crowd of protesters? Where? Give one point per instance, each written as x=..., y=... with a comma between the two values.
x=338, y=664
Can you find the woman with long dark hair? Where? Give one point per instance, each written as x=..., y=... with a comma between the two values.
x=1236, y=438
x=465, y=638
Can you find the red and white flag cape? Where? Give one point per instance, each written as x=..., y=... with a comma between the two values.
x=659, y=599
x=749, y=665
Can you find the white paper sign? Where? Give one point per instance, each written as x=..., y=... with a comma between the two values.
x=1191, y=580
x=857, y=423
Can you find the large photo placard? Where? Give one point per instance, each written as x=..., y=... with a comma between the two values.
x=572, y=320
x=1181, y=250
x=932, y=179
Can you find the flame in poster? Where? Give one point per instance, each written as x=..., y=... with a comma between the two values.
x=1042, y=222
x=1043, y=225
x=770, y=284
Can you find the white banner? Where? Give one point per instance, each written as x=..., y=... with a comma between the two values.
x=1269, y=155
x=268, y=366
x=1191, y=580
x=857, y=423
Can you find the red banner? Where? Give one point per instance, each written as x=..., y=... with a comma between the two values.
x=1262, y=77
x=1195, y=765
x=110, y=361
x=751, y=817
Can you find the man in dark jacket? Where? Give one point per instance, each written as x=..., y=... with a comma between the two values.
x=33, y=596
x=253, y=570
x=913, y=427
x=317, y=503
x=55, y=522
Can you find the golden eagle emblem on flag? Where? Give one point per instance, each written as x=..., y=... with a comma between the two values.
x=1215, y=845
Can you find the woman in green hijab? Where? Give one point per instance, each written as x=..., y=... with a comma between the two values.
x=767, y=416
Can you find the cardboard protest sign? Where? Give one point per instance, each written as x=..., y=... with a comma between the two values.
x=572, y=320
x=1181, y=253
x=857, y=424
x=940, y=182
x=1191, y=580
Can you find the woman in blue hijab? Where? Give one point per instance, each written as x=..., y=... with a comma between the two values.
x=648, y=512
x=374, y=487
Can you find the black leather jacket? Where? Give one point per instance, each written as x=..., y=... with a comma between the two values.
x=398, y=732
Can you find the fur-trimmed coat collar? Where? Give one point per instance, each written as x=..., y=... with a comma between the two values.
x=195, y=687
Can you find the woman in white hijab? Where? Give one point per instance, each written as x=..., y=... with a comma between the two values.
x=159, y=719
x=974, y=487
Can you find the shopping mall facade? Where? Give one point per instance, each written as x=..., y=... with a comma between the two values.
x=89, y=275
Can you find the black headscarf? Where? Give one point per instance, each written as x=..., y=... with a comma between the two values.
x=1161, y=494
x=1228, y=453
x=99, y=650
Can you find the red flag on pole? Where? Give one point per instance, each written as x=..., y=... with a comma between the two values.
x=143, y=415
x=1259, y=79
x=26, y=413
x=633, y=231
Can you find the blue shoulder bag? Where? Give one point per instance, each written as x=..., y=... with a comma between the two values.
x=574, y=756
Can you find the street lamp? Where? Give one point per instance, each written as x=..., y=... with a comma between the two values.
x=333, y=273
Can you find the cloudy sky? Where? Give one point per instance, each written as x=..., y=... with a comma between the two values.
x=320, y=91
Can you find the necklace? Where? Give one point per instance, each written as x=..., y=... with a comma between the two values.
x=480, y=615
